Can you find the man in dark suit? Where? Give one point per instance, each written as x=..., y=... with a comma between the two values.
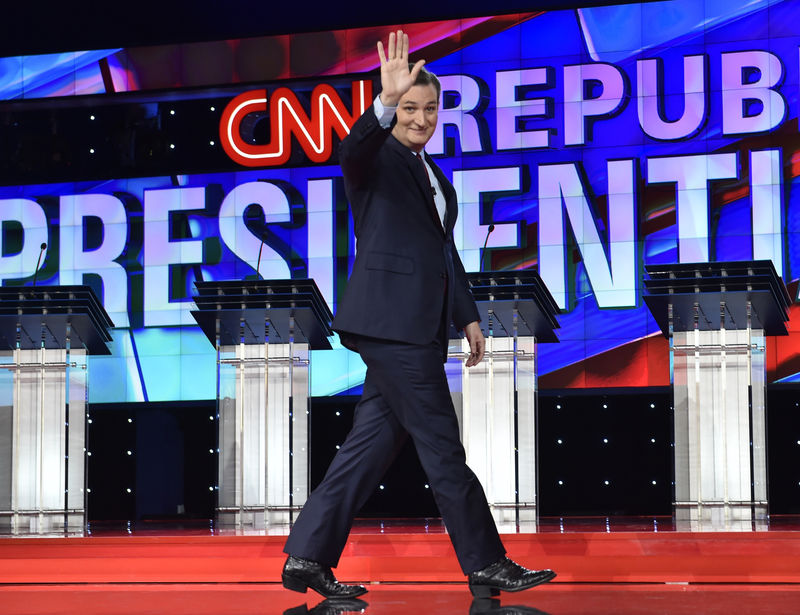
x=406, y=287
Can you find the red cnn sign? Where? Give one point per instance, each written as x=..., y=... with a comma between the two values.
x=287, y=117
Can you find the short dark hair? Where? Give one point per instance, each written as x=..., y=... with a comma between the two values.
x=426, y=77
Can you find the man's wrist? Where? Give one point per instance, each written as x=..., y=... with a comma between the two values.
x=388, y=101
x=384, y=113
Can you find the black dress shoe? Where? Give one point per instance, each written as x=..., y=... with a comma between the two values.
x=507, y=576
x=300, y=574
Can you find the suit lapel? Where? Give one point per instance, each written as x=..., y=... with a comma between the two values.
x=417, y=172
x=451, y=204
x=420, y=179
x=423, y=183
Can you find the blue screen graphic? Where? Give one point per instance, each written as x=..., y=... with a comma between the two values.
x=596, y=141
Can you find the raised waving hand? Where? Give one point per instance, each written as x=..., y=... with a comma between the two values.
x=396, y=78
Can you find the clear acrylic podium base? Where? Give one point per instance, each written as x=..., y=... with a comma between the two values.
x=495, y=403
x=725, y=517
x=715, y=316
x=33, y=522
x=262, y=331
x=263, y=433
x=42, y=441
x=720, y=427
x=255, y=518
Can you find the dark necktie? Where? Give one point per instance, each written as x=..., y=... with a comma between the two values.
x=431, y=201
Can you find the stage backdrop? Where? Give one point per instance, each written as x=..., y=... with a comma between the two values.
x=596, y=141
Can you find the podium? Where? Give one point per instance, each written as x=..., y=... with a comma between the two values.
x=262, y=331
x=46, y=334
x=716, y=316
x=496, y=402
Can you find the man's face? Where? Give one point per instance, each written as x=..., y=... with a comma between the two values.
x=417, y=113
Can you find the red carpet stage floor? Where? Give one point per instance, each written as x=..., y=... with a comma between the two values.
x=604, y=566
x=412, y=599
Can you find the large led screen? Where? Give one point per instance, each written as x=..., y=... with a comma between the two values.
x=596, y=141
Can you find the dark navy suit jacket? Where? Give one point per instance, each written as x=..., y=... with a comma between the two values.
x=407, y=275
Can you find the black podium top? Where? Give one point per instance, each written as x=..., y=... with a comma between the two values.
x=247, y=306
x=43, y=312
x=504, y=291
x=707, y=285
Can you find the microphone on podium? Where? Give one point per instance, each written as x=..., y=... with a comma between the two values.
x=42, y=248
x=485, y=241
x=258, y=262
x=255, y=222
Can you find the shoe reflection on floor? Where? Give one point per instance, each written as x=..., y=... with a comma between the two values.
x=340, y=606
x=330, y=606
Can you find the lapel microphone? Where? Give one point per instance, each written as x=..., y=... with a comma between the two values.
x=42, y=248
x=485, y=241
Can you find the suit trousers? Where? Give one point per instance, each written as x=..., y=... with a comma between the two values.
x=405, y=393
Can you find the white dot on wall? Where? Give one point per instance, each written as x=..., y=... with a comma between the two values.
x=211, y=450
x=652, y=405
x=172, y=111
x=91, y=117
x=128, y=490
x=605, y=440
x=211, y=488
x=338, y=413
x=427, y=486
x=561, y=482
x=653, y=440
x=382, y=487
x=172, y=146
x=91, y=150
x=211, y=142
x=605, y=405
x=560, y=441
x=558, y=406
x=605, y=482
x=337, y=447
x=130, y=420
x=213, y=108
x=129, y=452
